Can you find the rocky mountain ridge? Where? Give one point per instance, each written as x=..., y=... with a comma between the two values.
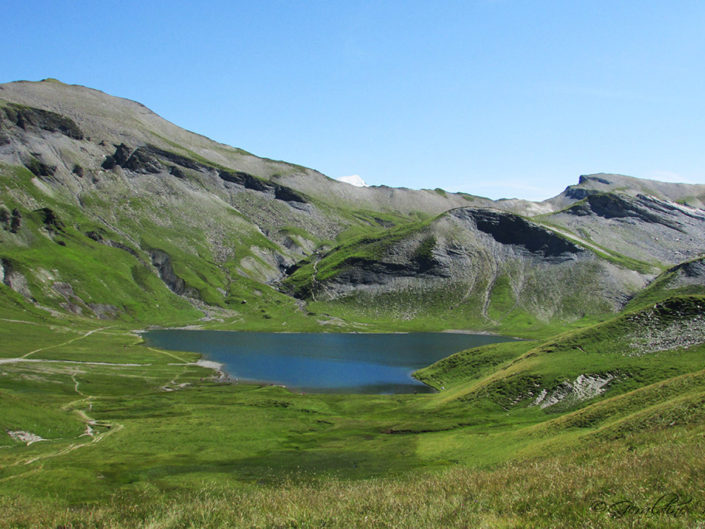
x=121, y=208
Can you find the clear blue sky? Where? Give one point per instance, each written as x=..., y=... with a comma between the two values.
x=493, y=97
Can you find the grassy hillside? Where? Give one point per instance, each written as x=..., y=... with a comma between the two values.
x=146, y=438
x=638, y=481
x=109, y=211
x=112, y=220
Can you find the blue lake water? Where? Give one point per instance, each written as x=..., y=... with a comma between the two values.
x=310, y=362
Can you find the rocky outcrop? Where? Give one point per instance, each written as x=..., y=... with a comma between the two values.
x=140, y=160
x=641, y=227
x=104, y=311
x=14, y=279
x=691, y=272
x=506, y=228
x=287, y=194
x=572, y=393
x=246, y=180
x=50, y=220
x=143, y=161
x=578, y=193
x=358, y=271
x=118, y=158
x=162, y=262
x=673, y=324
x=27, y=438
x=28, y=118
x=38, y=168
x=615, y=206
x=149, y=159
x=692, y=195
x=71, y=302
x=98, y=237
x=74, y=304
x=11, y=222
x=249, y=181
x=183, y=161
x=5, y=217
x=586, y=179
x=15, y=221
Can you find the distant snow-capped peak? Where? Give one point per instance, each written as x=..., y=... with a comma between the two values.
x=353, y=180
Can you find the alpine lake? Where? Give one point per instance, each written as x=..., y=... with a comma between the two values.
x=325, y=362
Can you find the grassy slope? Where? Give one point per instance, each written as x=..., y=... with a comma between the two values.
x=212, y=268
x=189, y=453
x=97, y=272
x=559, y=491
x=100, y=272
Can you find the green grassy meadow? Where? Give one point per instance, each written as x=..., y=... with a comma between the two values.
x=137, y=437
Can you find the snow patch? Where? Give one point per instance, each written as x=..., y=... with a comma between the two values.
x=354, y=180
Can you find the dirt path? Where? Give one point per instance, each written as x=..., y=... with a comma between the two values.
x=86, y=335
x=95, y=430
x=80, y=362
x=167, y=353
x=96, y=439
x=20, y=321
x=90, y=422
